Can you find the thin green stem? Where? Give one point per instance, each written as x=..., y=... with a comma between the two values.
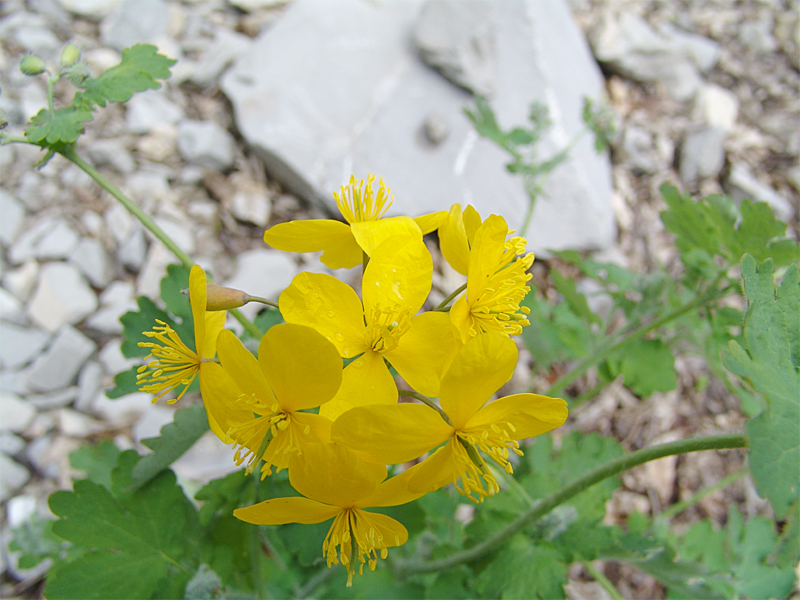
x=679, y=507
x=544, y=506
x=443, y=304
x=51, y=82
x=5, y=138
x=611, y=346
x=600, y=578
x=427, y=402
x=70, y=154
x=271, y=303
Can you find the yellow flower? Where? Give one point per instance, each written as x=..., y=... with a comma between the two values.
x=402, y=432
x=344, y=244
x=338, y=484
x=171, y=362
x=395, y=285
x=496, y=283
x=456, y=235
x=296, y=369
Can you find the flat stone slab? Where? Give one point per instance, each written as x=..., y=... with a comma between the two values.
x=332, y=89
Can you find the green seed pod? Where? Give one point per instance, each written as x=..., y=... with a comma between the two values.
x=70, y=55
x=223, y=298
x=32, y=65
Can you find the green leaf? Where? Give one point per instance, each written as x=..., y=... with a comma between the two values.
x=141, y=65
x=648, y=366
x=222, y=496
x=96, y=461
x=305, y=541
x=57, y=127
x=575, y=299
x=134, y=541
x=692, y=226
x=770, y=363
x=124, y=383
x=176, y=438
x=267, y=318
x=176, y=280
x=135, y=323
x=523, y=570
x=35, y=541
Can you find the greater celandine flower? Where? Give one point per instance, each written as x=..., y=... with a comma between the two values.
x=171, y=362
x=496, y=283
x=338, y=484
x=344, y=244
x=403, y=432
x=297, y=369
x=395, y=285
x=456, y=235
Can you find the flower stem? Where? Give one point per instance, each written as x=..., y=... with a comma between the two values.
x=600, y=578
x=427, y=402
x=443, y=305
x=71, y=154
x=271, y=303
x=544, y=506
x=610, y=347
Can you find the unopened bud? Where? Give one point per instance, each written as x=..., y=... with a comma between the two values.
x=70, y=55
x=223, y=298
x=32, y=65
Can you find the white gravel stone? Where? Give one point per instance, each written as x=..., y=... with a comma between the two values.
x=75, y=424
x=56, y=399
x=58, y=366
x=251, y=203
x=47, y=239
x=39, y=453
x=115, y=301
x=20, y=345
x=253, y=5
x=20, y=509
x=133, y=251
x=149, y=426
x=11, y=308
x=13, y=218
x=90, y=381
x=124, y=411
x=12, y=476
x=264, y=273
x=226, y=47
x=93, y=223
x=93, y=10
x=702, y=154
x=113, y=360
x=716, y=106
x=21, y=281
x=17, y=413
x=148, y=283
x=120, y=222
x=11, y=444
x=145, y=112
x=742, y=184
x=179, y=232
x=206, y=144
x=62, y=296
x=92, y=259
x=135, y=22
x=207, y=459
x=112, y=153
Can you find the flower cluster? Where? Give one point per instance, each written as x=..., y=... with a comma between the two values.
x=320, y=399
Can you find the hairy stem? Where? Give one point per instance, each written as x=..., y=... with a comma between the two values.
x=544, y=506
x=443, y=305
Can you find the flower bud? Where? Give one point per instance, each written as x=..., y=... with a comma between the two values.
x=223, y=298
x=70, y=55
x=32, y=65
x=3, y=119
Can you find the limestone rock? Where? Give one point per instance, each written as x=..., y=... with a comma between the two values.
x=57, y=399
x=145, y=112
x=62, y=296
x=47, y=239
x=226, y=47
x=58, y=366
x=205, y=144
x=351, y=111
x=112, y=153
x=13, y=218
x=91, y=9
x=12, y=476
x=702, y=154
x=716, y=106
x=20, y=345
x=262, y=272
x=92, y=259
x=135, y=22
x=742, y=184
x=20, y=282
x=17, y=413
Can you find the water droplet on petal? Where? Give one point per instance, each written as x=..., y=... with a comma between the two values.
x=358, y=364
x=331, y=314
x=338, y=337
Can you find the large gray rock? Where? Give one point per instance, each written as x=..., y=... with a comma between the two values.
x=360, y=97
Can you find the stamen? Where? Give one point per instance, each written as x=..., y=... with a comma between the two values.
x=170, y=363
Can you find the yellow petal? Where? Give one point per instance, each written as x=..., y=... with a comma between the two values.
x=333, y=474
x=438, y=470
x=316, y=429
x=371, y=234
x=462, y=319
x=302, y=367
x=425, y=351
x=453, y=240
x=243, y=368
x=365, y=381
x=530, y=414
x=279, y=511
x=215, y=322
x=398, y=275
x=329, y=306
x=479, y=369
x=219, y=394
x=197, y=298
x=393, y=491
x=391, y=434
x=312, y=235
x=487, y=250
x=472, y=220
x=393, y=532
x=431, y=222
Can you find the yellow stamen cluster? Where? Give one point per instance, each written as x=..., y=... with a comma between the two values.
x=354, y=523
x=495, y=442
x=472, y=470
x=385, y=327
x=275, y=430
x=497, y=308
x=358, y=203
x=171, y=363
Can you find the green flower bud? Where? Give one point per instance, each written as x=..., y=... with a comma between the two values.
x=70, y=55
x=32, y=65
